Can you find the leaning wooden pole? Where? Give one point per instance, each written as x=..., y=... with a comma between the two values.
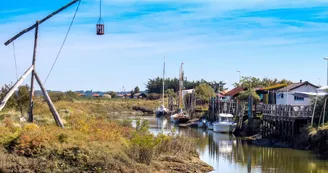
x=41, y=21
x=31, y=104
x=49, y=102
x=13, y=89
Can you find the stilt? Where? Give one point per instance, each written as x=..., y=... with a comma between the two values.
x=30, y=113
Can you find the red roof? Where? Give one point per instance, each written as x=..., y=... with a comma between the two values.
x=96, y=95
x=235, y=91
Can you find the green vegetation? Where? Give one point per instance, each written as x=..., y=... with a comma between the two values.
x=257, y=82
x=243, y=96
x=155, y=85
x=204, y=92
x=19, y=100
x=91, y=142
x=136, y=89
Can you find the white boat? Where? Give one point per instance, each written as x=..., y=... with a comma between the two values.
x=225, y=124
x=162, y=111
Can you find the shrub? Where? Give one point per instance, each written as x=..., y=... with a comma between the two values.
x=153, y=96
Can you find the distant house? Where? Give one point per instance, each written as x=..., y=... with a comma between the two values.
x=140, y=95
x=107, y=96
x=234, y=92
x=184, y=92
x=81, y=95
x=96, y=95
x=120, y=96
x=268, y=94
x=284, y=95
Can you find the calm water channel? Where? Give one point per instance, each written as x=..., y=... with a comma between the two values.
x=228, y=154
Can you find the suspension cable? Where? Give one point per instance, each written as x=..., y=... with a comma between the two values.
x=69, y=29
x=14, y=51
x=100, y=9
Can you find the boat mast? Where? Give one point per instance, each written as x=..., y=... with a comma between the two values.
x=163, y=83
x=180, y=86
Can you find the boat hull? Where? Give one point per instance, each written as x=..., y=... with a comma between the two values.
x=178, y=120
x=161, y=113
x=223, y=127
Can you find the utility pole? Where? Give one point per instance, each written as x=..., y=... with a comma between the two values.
x=327, y=68
x=238, y=71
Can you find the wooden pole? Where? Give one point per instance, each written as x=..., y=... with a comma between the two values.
x=30, y=113
x=49, y=102
x=324, y=112
x=41, y=21
x=13, y=89
x=315, y=105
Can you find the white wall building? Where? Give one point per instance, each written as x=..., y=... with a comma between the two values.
x=284, y=95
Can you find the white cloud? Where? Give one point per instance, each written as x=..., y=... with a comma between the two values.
x=209, y=27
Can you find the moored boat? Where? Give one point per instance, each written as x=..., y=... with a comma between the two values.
x=225, y=124
x=180, y=117
x=162, y=111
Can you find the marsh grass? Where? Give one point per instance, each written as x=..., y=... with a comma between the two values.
x=91, y=141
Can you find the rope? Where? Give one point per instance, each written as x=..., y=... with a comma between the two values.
x=14, y=51
x=69, y=29
x=100, y=9
x=18, y=96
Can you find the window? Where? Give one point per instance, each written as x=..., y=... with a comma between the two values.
x=296, y=98
x=282, y=96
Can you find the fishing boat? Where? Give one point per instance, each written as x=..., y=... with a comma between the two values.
x=181, y=116
x=225, y=124
x=162, y=111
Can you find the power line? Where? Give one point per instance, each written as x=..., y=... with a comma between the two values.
x=69, y=29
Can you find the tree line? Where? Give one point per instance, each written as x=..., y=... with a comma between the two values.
x=172, y=85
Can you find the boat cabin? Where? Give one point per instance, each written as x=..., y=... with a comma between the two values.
x=225, y=117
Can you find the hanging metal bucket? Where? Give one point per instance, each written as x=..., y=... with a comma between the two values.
x=100, y=27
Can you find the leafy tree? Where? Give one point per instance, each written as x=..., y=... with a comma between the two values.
x=11, y=103
x=112, y=94
x=170, y=92
x=243, y=96
x=136, y=89
x=23, y=98
x=155, y=85
x=204, y=92
x=56, y=96
x=70, y=96
x=132, y=94
x=252, y=82
x=20, y=99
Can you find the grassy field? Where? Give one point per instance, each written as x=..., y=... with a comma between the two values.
x=91, y=142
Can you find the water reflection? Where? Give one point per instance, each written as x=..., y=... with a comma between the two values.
x=229, y=154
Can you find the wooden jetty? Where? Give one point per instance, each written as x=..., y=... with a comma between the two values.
x=284, y=121
x=217, y=106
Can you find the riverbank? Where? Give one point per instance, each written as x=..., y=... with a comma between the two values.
x=312, y=139
x=93, y=141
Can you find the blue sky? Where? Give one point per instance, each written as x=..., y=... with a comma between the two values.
x=214, y=38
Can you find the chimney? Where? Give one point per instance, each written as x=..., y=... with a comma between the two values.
x=301, y=81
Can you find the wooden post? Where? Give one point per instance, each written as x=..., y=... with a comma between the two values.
x=30, y=113
x=13, y=89
x=41, y=21
x=50, y=104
